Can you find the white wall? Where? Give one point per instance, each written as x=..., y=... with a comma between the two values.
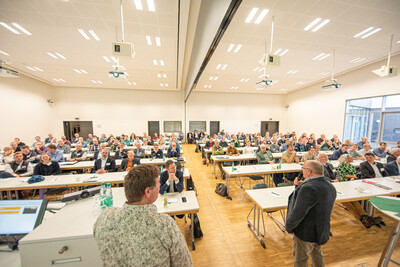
x=116, y=111
x=314, y=110
x=236, y=112
x=24, y=110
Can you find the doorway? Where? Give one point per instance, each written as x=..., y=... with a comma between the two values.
x=214, y=127
x=83, y=128
x=153, y=127
x=269, y=126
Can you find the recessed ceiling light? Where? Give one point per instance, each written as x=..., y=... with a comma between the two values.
x=284, y=89
x=138, y=4
x=209, y=86
x=106, y=59
x=277, y=51
x=61, y=56
x=4, y=53
x=246, y=80
x=8, y=27
x=398, y=42
x=30, y=68
x=259, y=89
x=133, y=83
x=324, y=73
x=315, y=21
x=211, y=77
x=320, y=55
x=205, y=86
x=114, y=59
x=56, y=80
x=94, y=35
x=77, y=71
x=215, y=78
x=324, y=56
x=166, y=84
x=322, y=24
x=36, y=68
x=224, y=67
x=300, y=82
x=165, y=75
x=161, y=84
x=158, y=41
x=62, y=80
x=371, y=33
x=230, y=47
x=83, y=34
x=129, y=83
x=292, y=71
x=150, y=4
x=158, y=75
x=155, y=62
x=218, y=66
x=363, y=32
x=261, y=69
x=162, y=62
x=84, y=71
x=237, y=48
x=100, y=82
x=52, y=55
x=22, y=29
x=94, y=82
x=148, y=39
x=242, y=80
x=256, y=68
x=261, y=16
x=284, y=52
x=251, y=15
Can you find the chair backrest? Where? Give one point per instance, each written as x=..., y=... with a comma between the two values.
x=260, y=186
x=283, y=184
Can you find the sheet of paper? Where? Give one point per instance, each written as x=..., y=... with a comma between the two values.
x=6, y=179
x=172, y=200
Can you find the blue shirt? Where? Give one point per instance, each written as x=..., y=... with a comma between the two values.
x=379, y=152
x=84, y=144
x=57, y=156
x=360, y=145
x=337, y=153
x=284, y=147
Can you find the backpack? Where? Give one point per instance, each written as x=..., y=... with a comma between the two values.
x=197, y=229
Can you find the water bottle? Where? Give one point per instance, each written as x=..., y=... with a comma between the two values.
x=280, y=165
x=163, y=158
x=103, y=196
x=109, y=196
x=165, y=199
x=233, y=166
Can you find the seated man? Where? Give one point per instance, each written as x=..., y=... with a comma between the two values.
x=329, y=171
x=218, y=150
x=360, y=145
x=114, y=146
x=223, y=142
x=128, y=163
x=37, y=139
x=394, y=153
x=137, y=140
x=156, y=152
x=327, y=146
x=55, y=154
x=173, y=151
x=393, y=167
x=48, y=139
x=121, y=153
x=343, y=150
x=264, y=156
x=126, y=140
x=150, y=141
x=290, y=156
x=75, y=139
x=54, y=141
x=105, y=164
x=67, y=142
x=89, y=139
x=301, y=145
x=63, y=147
x=354, y=153
x=171, y=180
x=40, y=148
x=309, y=155
x=231, y=150
x=274, y=147
x=366, y=148
x=159, y=241
x=29, y=155
x=139, y=151
x=18, y=168
x=190, y=138
x=97, y=154
x=94, y=146
x=285, y=145
x=370, y=168
x=173, y=140
x=84, y=144
x=181, y=135
x=381, y=151
x=14, y=146
x=78, y=154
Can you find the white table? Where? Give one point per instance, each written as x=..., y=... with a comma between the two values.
x=274, y=199
x=72, y=228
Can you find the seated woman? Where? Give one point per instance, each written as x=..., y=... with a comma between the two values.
x=46, y=167
x=7, y=156
x=347, y=172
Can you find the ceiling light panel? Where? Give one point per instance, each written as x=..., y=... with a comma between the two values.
x=4, y=53
x=367, y=32
x=251, y=15
x=150, y=5
x=8, y=27
x=138, y=4
x=317, y=24
x=22, y=29
x=84, y=34
x=94, y=35
x=261, y=16
x=106, y=59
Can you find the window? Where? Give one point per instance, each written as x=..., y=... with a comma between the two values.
x=377, y=118
x=172, y=126
x=197, y=125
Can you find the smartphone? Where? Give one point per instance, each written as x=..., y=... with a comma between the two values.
x=184, y=200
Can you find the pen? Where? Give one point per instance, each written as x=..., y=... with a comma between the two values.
x=276, y=194
x=340, y=193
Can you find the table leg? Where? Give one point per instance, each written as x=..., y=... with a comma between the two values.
x=252, y=225
x=192, y=230
x=394, y=234
x=228, y=183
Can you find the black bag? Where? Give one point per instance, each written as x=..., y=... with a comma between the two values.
x=197, y=230
x=189, y=184
x=221, y=190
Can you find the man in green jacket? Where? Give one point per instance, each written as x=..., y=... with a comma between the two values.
x=218, y=150
x=264, y=156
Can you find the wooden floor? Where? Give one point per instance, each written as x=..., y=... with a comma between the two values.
x=227, y=240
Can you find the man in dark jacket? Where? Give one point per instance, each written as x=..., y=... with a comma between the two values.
x=329, y=171
x=105, y=164
x=371, y=169
x=128, y=163
x=393, y=167
x=309, y=213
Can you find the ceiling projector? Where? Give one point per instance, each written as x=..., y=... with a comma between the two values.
x=334, y=84
x=8, y=73
x=118, y=73
x=265, y=82
x=386, y=71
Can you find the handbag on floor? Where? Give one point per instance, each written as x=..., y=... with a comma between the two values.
x=221, y=190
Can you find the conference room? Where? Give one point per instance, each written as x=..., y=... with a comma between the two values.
x=268, y=76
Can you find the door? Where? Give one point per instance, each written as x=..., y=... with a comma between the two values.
x=269, y=126
x=214, y=127
x=83, y=128
x=153, y=127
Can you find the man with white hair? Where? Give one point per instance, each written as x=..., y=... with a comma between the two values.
x=394, y=153
x=329, y=171
x=366, y=148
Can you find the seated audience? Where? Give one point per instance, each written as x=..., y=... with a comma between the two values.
x=80, y=141
x=173, y=140
x=370, y=168
x=75, y=139
x=29, y=155
x=126, y=141
x=310, y=143
x=8, y=155
x=321, y=139
x=116, y=230
x=14, y=146
x=218, y=150
x=354, y=153
x=190, y=138
x=78, y=154
x=366, y=148
x=37, y=139
x=329, y=171
x=103, y=138
x=48, y=139
x=89, y=139
x=40, y=148
x=236, y=142
x=173, y=151
x=156, y=152
x=63, y=147
x=347, y=172
x=139, y=151
x=394, y=153
x=264, y=156
x=55, y=154
x=309, y=155
x=114, y=146
x=327, y=146
x=128, y=163
x=223, y=142
x=381, y=151
x=121, y=153
x=301, y=145
x=97, y=154
x=181, y=135
x=393, y=168
x=17, y=168
x=337, y=153
x=274, y=147
x=290, y=156
x=105, y=164
x=161, y=144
